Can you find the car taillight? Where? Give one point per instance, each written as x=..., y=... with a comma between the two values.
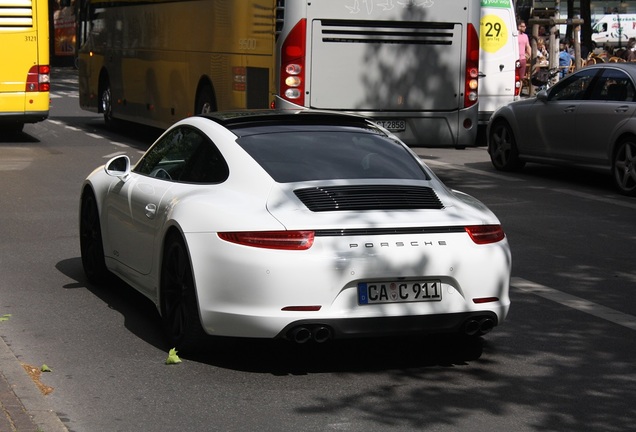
x=286, y=240
x=472, y=67
x=38, y=79
x=517, y=78
x=292, y=73
x=484, y=234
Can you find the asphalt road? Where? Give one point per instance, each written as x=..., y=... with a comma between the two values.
x=563, y=361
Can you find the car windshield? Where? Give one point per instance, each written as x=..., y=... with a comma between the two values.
x=304, y=155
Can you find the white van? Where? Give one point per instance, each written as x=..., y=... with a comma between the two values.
x=499, y=81
x=614, y=30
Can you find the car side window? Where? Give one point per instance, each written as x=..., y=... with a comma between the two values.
x=614, y=85
x=574, y=87
x=185, y=154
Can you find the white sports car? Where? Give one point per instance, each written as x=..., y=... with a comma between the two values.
x=298, y=225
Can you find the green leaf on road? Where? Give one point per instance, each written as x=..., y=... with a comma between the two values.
x=173, y=358
x=45, y=368
x=5, y=317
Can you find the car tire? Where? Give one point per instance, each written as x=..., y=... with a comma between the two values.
x=502, y=148
x=91, y=245
x=179, y=305
x=624, y=167
x=106, y=103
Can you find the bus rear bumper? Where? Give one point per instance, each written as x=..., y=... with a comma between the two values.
x=422, y=129
x=23, y=117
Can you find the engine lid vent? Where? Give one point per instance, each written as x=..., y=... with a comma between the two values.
x=375, y=197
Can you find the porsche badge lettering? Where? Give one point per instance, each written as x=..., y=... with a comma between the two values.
x=397, y=244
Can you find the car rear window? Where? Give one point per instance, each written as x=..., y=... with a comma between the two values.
x=305, y=155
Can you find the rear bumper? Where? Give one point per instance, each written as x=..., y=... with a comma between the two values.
x=454, y=128
x=392, y=326
x=23, y=117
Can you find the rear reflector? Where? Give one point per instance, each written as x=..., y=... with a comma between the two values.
x=301, y=308
x=285, y=240
x=485, y=300
x=484, y=234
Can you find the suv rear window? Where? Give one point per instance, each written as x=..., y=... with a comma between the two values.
x=305, y=155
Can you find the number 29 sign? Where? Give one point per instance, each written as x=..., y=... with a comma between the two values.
x=493, y=33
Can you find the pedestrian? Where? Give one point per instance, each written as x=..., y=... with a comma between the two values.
x=524, y=48
x=565, y=60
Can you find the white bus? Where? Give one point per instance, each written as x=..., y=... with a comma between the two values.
x=412, y=65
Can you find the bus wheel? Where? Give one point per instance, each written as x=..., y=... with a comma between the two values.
x=205, y=100
x=106, y=103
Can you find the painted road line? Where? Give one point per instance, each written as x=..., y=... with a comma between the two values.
x=112, y=155
x=464, y=168
x=575, y=302
x=593, y=197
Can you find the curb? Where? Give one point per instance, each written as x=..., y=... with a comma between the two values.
x=22, y=407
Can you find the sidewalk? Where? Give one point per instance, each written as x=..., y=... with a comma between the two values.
x=23, y=407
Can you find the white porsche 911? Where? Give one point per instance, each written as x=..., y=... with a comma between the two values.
x=297, y=225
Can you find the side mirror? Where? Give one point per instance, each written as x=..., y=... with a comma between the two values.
x=119, y=166
x=542, y=95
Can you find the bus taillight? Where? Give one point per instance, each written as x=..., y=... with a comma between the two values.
x=472, y=67
x=292, y=74
x=38, y=79
x=239, y=78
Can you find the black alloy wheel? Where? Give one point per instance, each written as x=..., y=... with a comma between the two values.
x=91, y=245
x=502, y=148
x=624, y=167
x=179, y=306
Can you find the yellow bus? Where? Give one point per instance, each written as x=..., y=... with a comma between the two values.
x=155, y=61
x=24, y=68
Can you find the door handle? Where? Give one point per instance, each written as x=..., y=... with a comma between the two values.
x=151, y=211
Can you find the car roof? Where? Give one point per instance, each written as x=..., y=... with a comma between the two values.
x=626, y=66
x=241, y=119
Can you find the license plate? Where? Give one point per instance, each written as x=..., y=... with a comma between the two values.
x=399, y=292
x=392, y=125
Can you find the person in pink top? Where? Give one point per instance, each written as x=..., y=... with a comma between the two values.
x=524, y=48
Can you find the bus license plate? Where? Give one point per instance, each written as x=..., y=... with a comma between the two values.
x=392, y=125
x=399, y=292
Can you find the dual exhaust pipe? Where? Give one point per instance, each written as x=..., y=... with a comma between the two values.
x=478, y=326
x=319, y=334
